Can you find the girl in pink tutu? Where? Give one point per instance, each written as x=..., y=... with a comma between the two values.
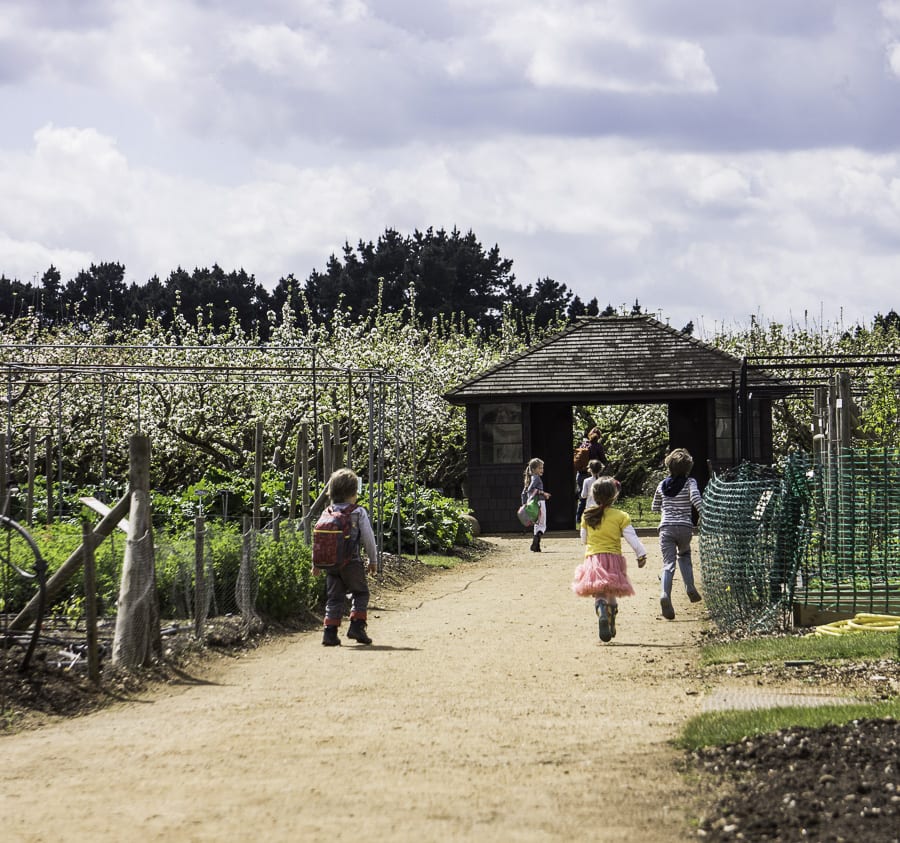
x=603, y=574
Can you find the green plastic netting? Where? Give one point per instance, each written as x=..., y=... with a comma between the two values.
x=824, y=535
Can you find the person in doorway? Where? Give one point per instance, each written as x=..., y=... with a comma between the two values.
x=580, y=461
x=596, y=451
x=343, y=489
x=595, y=469
x=603, y=574
x=676, y=497
x=591, y=448
x=533, y=487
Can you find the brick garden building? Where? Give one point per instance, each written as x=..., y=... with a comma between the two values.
x=522, y=408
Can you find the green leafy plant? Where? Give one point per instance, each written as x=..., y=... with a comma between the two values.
x=286, y=584
x=438, y=522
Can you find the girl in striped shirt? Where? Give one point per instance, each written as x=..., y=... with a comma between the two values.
x=676, y=498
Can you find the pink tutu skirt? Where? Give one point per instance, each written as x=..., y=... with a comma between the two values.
x=603, y=574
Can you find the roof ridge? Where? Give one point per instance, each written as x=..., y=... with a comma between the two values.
x=629, y=354
x=515, y=358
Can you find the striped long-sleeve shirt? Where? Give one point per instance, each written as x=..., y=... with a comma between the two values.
x=675, y=501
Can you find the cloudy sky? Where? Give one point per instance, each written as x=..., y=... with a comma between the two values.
x=714, y=159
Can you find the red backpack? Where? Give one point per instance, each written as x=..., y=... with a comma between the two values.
x=331, y=545
x=581, y=458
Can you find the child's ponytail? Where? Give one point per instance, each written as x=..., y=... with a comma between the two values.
x=604, y=491
x=533, y=465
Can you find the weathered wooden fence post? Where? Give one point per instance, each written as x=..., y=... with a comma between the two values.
x=48, y=464
x=137, y=621
x=304, y=483
x=29, y=496
x=295, y=479
x=246, y=587
x=820, y=424
x=4, y=488
x=257, y=476
x=90, y=601
x=327, y=452
x=200, y=601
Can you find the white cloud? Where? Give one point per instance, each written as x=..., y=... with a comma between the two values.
x=278, y=49
x=590, y=47
x=707, y=159
x=894, y=58
x=672, y=229
x=721, y=187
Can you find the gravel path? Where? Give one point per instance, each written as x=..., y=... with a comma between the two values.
x=487, y=709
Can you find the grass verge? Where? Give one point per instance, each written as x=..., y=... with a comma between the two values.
x=717, y=728
x=854, y=647
x=437, y=560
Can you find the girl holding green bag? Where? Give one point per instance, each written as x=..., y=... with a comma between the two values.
x=533, y=490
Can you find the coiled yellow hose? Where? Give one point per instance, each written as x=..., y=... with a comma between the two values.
x=862, y=622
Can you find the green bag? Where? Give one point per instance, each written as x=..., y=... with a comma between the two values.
x=528, y=513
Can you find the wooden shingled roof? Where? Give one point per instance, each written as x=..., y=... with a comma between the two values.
x=608, y=359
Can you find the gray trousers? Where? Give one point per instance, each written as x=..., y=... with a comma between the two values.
x=351, y=578
x=675, y=544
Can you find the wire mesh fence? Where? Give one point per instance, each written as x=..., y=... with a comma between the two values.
x=818, y=534
x=200, y=582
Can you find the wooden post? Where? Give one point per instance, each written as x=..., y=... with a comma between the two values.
x=257, y=476
x=4, y=484
x=327, y=454
x=199, y=576
x=304, y=472
x=337, y=451
x=819, y=425
x=138, y=610
x=48, y=464
x=29, y=497
x=62, y=575
x=295, y=480
x=244, y=591
x=844, y=410
x=90, y=601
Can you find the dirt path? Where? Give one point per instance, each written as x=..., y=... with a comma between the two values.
x=486, y=710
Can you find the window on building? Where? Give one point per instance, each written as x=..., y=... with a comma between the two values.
x=501, y=437
x=724, y=429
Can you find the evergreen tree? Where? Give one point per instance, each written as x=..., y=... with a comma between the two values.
x=95, y=292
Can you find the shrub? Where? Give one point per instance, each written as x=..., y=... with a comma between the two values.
x=285, y=576
x=440, y=522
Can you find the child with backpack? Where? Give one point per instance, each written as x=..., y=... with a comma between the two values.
x=336, y=540
x=603, y=574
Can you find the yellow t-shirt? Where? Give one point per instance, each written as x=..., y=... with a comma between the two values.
x=606, y=537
